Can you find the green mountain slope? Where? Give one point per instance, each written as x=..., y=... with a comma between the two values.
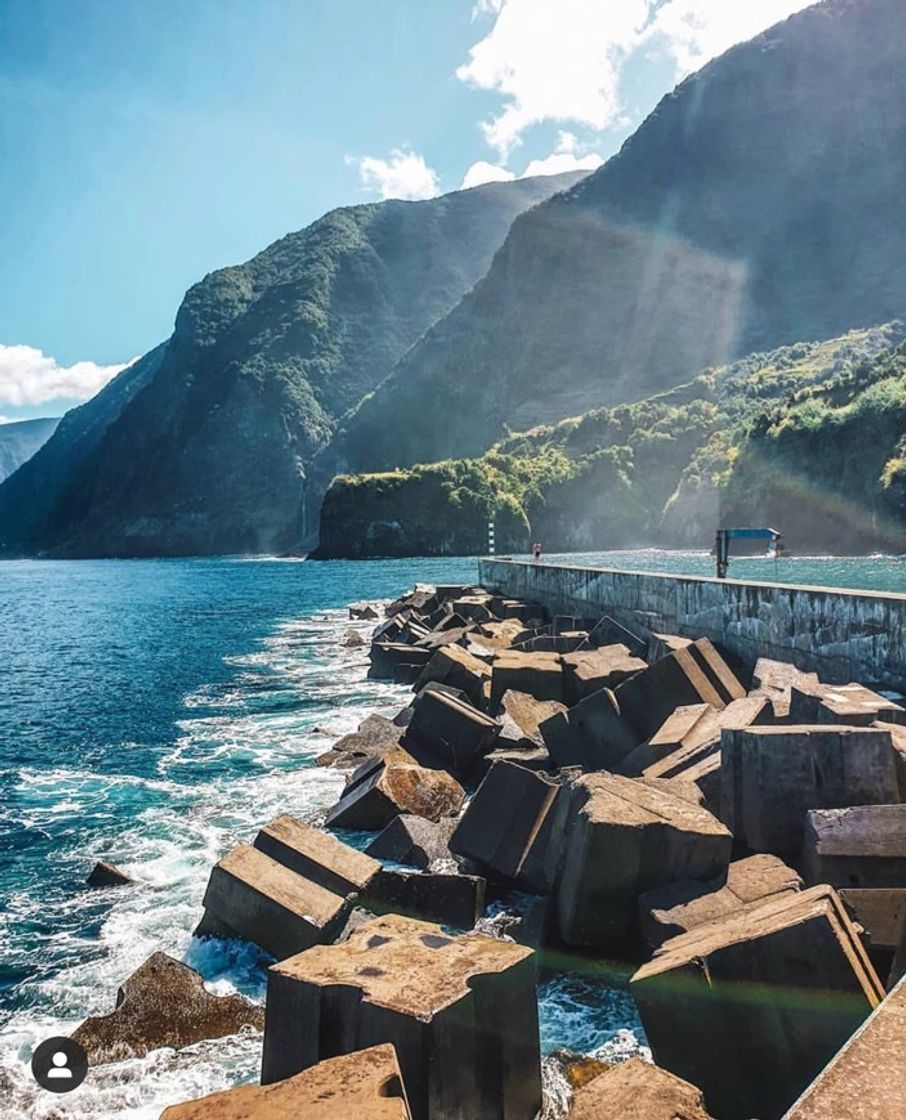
x=760, y=203
x=20, y=439
x=203, y=448
x=777, y=438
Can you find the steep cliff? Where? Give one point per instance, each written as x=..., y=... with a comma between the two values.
x=202, y=446
x=20, y=439
x=761, y=202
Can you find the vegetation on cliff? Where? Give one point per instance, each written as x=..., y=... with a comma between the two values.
x=760, y=440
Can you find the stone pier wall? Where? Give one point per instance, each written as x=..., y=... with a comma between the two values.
x=842, y=635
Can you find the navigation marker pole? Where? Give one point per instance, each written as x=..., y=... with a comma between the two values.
x=490, y=538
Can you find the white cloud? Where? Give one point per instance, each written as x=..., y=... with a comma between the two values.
x=553, y=61
x=484, y=172
x=693, y=32
x=405, y=175
x=28, y=376
x=561, y=60
x=566, y=156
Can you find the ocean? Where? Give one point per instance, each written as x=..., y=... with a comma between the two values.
x=154, y=713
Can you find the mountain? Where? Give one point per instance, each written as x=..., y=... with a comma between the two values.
x=810, y=438
x=20, y=439
x=762, y=202
x=201, y=447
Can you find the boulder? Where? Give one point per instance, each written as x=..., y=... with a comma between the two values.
x=456, y=667
x=353, y=640
x=589, y=670
x=521, y=717
x=538, y=674
x=637, y=1090
x=674, y=909
x=843, y=703
x=860, y=846
x=435, y=896
x=461, y=1012
x=383, y=788
x=108, y=875
x=253, y=897
x=696, y=674
x=365, y=611
x=625, y=837
x=413, y=840
x=770, y=777
x=375, y=736
x=163, y=1003
x=366, y=1085
x=513, y=826
x=752, y=1005
x=316, y=855
x=866, y=1080
x=448, y=732
x=593, y=734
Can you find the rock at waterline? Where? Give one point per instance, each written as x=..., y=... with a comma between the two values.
x=353, y=640
x=365, y=611
x=163, y=1003
x=364, y=1085
x=637, y=1090
x=108, y=875
x=462, y=1012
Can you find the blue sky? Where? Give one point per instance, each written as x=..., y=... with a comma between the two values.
x=144, y=143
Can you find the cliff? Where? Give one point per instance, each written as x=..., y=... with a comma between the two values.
x=202, y=446
x=20, y=439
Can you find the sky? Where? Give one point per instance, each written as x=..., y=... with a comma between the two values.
x=144, y=143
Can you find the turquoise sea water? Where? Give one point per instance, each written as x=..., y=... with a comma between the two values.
x=154, y=713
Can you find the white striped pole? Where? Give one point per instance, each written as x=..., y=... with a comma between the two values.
x=490, y=538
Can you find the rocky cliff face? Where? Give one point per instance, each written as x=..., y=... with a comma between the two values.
x=21, y=439
x=202, y=446
x=761, y=203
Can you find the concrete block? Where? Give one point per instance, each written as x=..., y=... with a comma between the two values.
x=448, y=732
x=521, y=717
x=751, y=1006
x=414, y=841
x=625, y=837
x=374, y=737
x=475, y=608
x=461, y=1013
x=384, y=788
x=866, y=1080
x=770, y=777
x=637, y=1090
x=255, y=898
x=500, y=635
x=587, y=671
x=593, y=734
x=364, y=1085
x=843, y=704
x=776, y=680
x=881, y=912
x=538, y=674
x=445, y=897
x=662, y=645
x=861, y=846
x=320, y=858
x=108, y=875
x=395, y=661
x=163, y=1003
x=456, y=667
x=696, y=674
x=674, y=909
x=513, y=826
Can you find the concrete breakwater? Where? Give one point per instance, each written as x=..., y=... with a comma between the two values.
x=843, y=635
x=736, y=838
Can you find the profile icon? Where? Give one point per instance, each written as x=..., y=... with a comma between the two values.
x=59, y=1065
